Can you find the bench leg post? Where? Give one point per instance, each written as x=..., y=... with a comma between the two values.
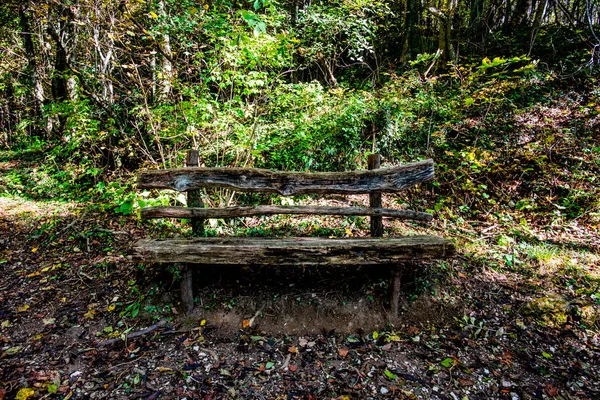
x=187, y=294
x=395, y=292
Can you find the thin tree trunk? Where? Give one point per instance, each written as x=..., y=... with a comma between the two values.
x=32, y=65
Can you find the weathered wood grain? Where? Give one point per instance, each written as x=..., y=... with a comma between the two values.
x=292, y=251
x=393, y=179
x=250, y=211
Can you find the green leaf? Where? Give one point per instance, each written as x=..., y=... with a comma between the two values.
x=547, y=355
x=269, y=365
x=448, y=362
x=52, y=388
x=352, y=339
x=390, y=375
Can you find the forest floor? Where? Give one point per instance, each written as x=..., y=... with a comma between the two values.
x=511, y=316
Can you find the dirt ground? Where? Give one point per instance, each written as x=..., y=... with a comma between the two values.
x=467, y=329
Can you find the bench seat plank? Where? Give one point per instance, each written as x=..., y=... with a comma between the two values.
x=292, y=251
x=250, y=211
x=394, y=179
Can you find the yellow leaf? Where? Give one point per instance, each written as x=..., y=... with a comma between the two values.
x=111, y=308
x=25, y=393
x=23, y=308
x=203, y=322
x=153, y=15
x=5, y=324
x=245, y=324
x=36, y=273
x=34, y=249
x=348, y=232
x=46, y=269
x=13, y=350
x=90, y=314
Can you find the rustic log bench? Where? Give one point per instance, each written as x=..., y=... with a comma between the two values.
x=375, y=250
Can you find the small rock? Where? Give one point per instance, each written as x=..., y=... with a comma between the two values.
x=384, y=390
x=506, y=383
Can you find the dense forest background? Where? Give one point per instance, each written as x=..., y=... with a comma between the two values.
x=491, y=89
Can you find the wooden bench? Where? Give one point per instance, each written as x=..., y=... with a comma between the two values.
x=375, y=250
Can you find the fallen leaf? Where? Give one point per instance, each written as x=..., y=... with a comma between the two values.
x=111, y=307
x=448, y=362
x=292, y=367
x=90, y=314
x=343, y=352
x=412, y=330
x=386, y=347
x=293, y=349
x=550, y=390
x=390, y=375
x=465, y=382
x=23, y=308
x=13, y=350
x=48, y=321
x=246, y=323
x=52, y=388
x=24, y=394
x=33, y=250
x=2, y=394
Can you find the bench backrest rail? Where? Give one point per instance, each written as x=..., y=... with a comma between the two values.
x=251, y=211
x=383, y=180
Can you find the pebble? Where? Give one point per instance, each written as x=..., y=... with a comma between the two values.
x=384, y=390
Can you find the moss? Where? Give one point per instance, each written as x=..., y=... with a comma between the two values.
x=551, y=311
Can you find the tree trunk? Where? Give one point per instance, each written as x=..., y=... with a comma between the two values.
x=32, y=65
x=167, y=74
x=537, y=22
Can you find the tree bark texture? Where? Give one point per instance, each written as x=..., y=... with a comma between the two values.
x=393, y=179
x=292, y=251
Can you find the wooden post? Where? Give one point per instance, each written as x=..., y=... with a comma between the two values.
x=194, y=199
x=374, y=162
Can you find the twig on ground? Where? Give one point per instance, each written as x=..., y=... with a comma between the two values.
x=142, y=332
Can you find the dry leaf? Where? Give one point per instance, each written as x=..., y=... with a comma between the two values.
x=343, y=352
x=23, y=308
x=293, y=349
x=293, y=367
x=90, y=314
x=386, y=347
x=25, y=393
x=245, y=323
